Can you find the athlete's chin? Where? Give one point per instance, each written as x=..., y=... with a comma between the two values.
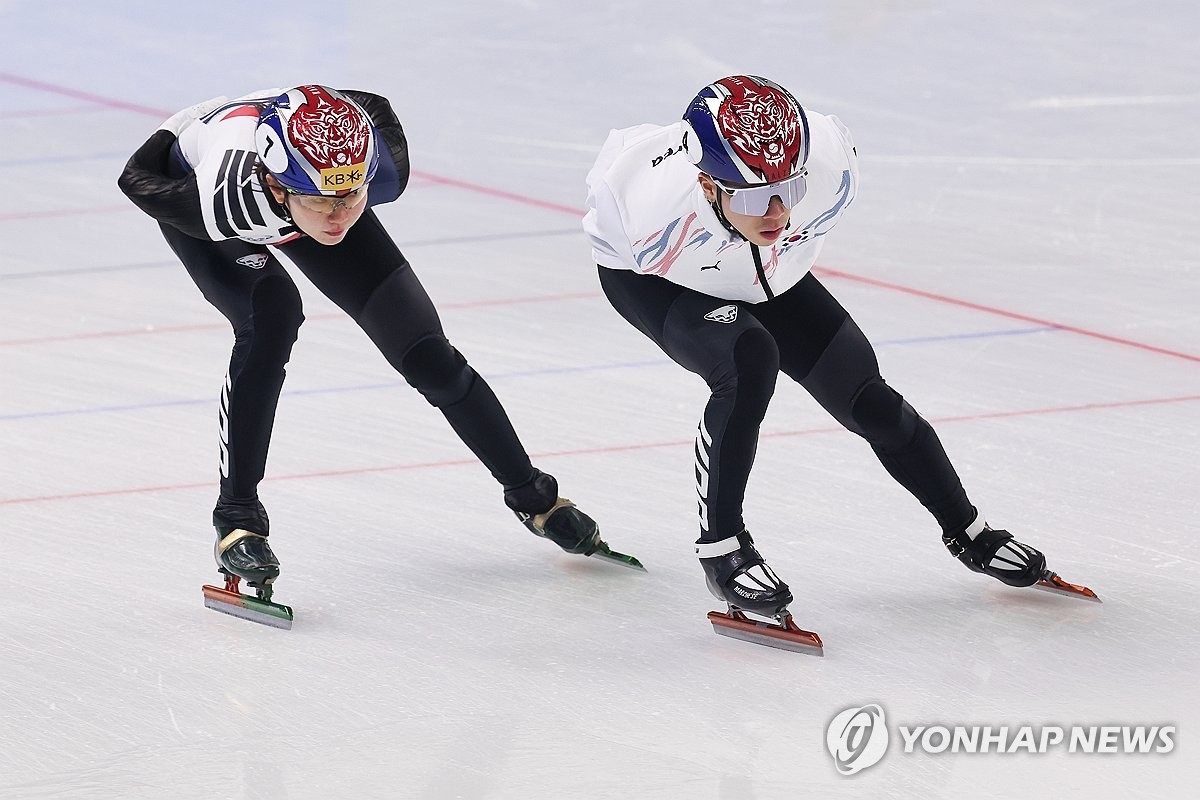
x=328, y=237
x=762, y=236
x=767, y=237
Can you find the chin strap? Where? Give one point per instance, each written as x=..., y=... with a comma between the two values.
x=732, y=231
x=279, y=208
x=715, y=204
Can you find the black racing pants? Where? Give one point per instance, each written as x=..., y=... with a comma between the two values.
x=366, y=276
x=740, y=348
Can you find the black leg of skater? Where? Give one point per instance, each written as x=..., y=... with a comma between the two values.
x=824, y=350
x=264, y=309
x=370, y=279
x=738, y=360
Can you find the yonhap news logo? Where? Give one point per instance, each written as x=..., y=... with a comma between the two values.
x=858, y=737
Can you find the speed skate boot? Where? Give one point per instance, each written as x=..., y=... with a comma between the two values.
x=540, y=509
x=998, y=554
x=242, y=553
x=737, y=575
x=246, y=555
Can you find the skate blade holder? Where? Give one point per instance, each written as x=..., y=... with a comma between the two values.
x=606, y=553
x=783, y=634
x=230, y=601
x=1056, y=585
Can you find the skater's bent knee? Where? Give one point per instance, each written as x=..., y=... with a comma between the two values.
x=756, y=355
x=263, y=341
x=277, y=308
x=747, y=379
x=752, y=368
x=437, y=370
x=882, y=416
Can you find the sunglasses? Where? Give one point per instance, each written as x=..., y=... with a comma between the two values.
x=754, y=201
x=326, y=204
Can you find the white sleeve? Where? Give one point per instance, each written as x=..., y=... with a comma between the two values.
x=848, y=144
x=605, y=232
x=602, y=222
x=183, y=119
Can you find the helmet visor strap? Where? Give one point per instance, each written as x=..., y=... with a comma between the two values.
x=754, y=201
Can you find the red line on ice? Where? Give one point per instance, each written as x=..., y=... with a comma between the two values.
x=108, y=102
x=333, y=315
x=67, y=212
x=941, y=298
x=624, y=448
x=516, y=198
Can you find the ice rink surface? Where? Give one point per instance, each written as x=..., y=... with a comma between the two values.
x=1023, y=253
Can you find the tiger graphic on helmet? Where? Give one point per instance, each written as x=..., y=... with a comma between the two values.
x=316, y=140
x=328, y=130
x=747, y=130
x=761, y=124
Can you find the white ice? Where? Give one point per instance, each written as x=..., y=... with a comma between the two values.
x=1024, y=254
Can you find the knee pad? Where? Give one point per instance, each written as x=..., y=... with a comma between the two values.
x=276, y=315
x=881, y=415
x=437, y=370
x=277, y=307
x=755, y=368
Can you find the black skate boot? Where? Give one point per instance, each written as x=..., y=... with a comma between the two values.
x=996, y=553
x=540, y=509
x=246, y=555
x=242, y=549
x=242, y=553
x=737, y=575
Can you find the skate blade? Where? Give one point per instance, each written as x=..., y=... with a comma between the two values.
x=785, y=636
x=1056, y=585
x=608, y=554
x=250, y=608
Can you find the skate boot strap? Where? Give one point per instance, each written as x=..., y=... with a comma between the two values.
x=736, y=554
x=565, y=525
x=979, y=552
x=539, y=520
x=235, y=536
x=984, y=546
x=998, y=554
x=975, y=540
x=723, y=547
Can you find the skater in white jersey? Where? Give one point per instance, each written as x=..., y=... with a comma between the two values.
x=296, y=171
x=704, y=232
